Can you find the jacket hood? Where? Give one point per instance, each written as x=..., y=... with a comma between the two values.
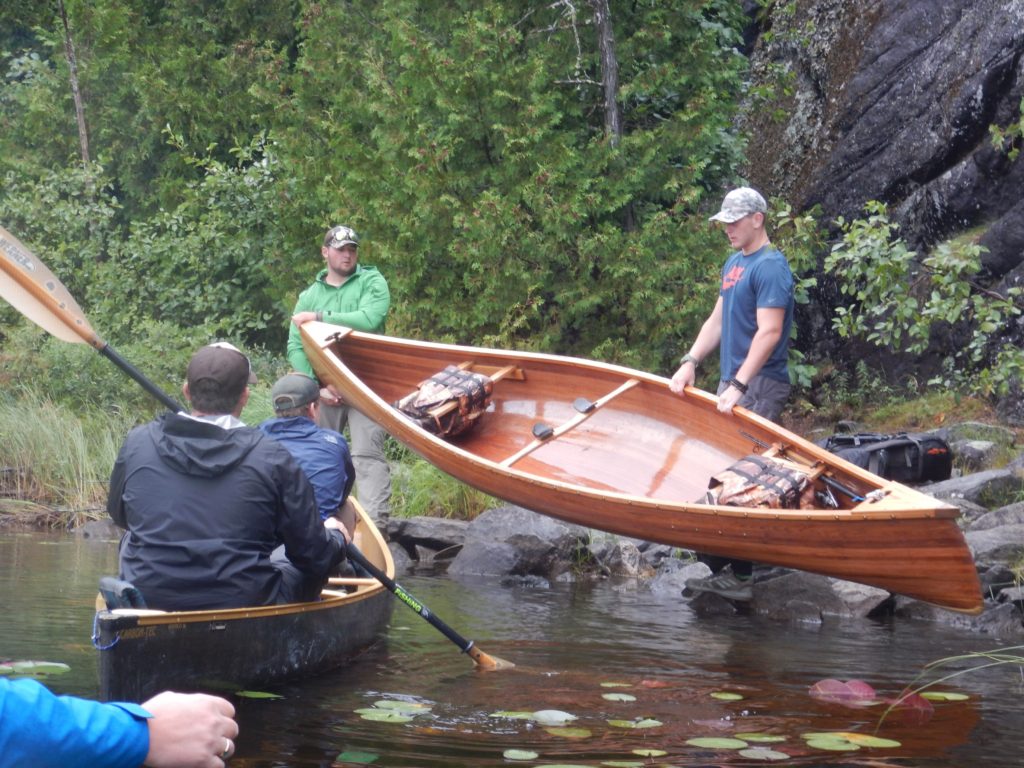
x=198, y=448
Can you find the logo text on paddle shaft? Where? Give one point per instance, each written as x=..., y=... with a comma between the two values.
x=16, y=254
x=411, y=601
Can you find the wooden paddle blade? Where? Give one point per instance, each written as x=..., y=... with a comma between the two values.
x=486, y=661
x=31, y=288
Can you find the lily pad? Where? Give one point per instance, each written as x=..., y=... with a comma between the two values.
x=650, y=752
x=36, y=670
x=763, y=753
x=944, y=696
x=519, y=754
x=839, y=741
x=615, y=685
x=408, y=707
x=654, y=684
x=553, y=717
x=643, y=723
x=359, y=758
x=569, y=733
x=618, y=697
x=383, y=715
x=852, y=693
x=623, y=763
x=832, y=745
x=715, y=742
x=763, y=738
x=726, y=696
x=867, y=740
x=258, y=695
x=512, y=714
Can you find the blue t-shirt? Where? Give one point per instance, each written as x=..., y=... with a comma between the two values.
x=323, y=455
x=758, y=281
x=39, y=729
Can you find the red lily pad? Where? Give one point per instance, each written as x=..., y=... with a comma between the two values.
x=852, y=693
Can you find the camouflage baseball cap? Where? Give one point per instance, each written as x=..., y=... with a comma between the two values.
x=741, y=202
x=340, y=236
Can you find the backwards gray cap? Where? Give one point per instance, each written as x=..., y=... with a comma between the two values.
x=741, y=202
x=294, y=390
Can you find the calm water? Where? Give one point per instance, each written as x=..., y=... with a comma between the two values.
x=566, y=641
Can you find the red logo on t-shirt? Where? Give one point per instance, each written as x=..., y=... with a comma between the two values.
x=732, y=277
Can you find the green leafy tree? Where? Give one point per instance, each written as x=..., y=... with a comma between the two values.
x=466, y=140
x=899, y=301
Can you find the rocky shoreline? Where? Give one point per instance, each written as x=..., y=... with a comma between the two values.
x=518, y=546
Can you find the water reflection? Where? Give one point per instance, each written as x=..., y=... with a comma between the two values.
x=566, y=641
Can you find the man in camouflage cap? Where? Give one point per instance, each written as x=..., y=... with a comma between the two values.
x=750, y=327
x=349, y=293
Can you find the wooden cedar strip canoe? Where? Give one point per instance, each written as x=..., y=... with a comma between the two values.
x=634, y=459
x=143, y=652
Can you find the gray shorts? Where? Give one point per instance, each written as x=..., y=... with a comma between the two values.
x=766, y=397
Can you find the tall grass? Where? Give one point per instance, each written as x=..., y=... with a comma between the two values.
x=419, y=488
x=58, y=459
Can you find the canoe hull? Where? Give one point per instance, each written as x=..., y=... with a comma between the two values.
x=142, y=653
x=636, y=464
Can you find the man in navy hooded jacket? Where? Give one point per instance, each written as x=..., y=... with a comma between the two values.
x=322, y=453
x=217, y=514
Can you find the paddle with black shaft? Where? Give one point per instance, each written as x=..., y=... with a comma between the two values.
x=31, y=288
x=481, y=659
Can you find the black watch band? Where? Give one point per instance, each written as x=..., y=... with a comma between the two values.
x=734, y=382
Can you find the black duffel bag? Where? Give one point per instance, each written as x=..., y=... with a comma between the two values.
x=904, y=457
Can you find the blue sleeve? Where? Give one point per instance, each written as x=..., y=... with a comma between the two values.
x=774, y=283
x=39, y=729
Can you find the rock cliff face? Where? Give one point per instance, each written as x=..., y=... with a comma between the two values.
x=892, y=100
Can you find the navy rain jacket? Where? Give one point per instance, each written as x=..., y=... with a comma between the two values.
x=204, y=508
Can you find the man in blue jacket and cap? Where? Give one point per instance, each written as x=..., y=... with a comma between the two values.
x=323, y=454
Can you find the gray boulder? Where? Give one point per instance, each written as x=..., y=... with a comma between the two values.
x=808, y=597
x=515, y=541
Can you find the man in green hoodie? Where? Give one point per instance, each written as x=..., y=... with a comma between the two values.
x=348, y=293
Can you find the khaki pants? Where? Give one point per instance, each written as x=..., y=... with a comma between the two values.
x=366, y=441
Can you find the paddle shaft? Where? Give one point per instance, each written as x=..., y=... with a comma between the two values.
x=108, y=352
x=396, y=589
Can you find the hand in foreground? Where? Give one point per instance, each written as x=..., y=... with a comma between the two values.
x=303, y=317
x=190, y=730
x=728, y=399
x=682, y=378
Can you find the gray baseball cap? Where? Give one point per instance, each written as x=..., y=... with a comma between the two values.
x=741, y=202
x=294, y=390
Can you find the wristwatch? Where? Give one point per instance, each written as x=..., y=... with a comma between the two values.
x=688, y=358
